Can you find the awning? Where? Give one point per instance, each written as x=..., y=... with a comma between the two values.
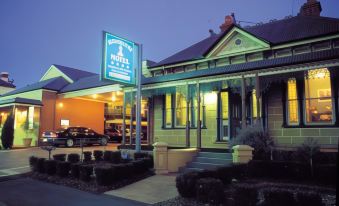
x=20, y=101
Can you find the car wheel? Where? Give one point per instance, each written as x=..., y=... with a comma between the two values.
x=103, y=141
x=69, y=143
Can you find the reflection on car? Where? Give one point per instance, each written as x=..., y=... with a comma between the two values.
x=72, y=136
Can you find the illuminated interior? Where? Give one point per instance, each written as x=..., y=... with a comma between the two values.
x=292, y=98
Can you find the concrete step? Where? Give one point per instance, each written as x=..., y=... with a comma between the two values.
x=207, y=166
x=212, y=160
x=189, y=169
x=215, y=155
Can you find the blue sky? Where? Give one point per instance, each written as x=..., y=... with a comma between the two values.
x=37, y=33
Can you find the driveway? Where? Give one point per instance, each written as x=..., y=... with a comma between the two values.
x=16, y=161
x=28, y=192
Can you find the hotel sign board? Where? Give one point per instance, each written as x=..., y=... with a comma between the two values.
x=119, y=59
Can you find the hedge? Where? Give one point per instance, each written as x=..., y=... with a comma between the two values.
x=33, y=163
x=210, y=190
x=85, y=172
x=75, y=170
x=98, y=155
x=40, y=166
x=246, y=195
x=87, y=156
x=186, y=182
x=59, y=157
x=50, y=166
x=63, y=168
x=73, y=158
x=278, y=197
x=104, y=175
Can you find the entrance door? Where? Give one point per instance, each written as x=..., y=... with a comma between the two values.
x=235, y=114
x=224, y=116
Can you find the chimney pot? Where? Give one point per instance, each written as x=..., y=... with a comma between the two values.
x=4, y=76
x=310, y=8
x=229, y=21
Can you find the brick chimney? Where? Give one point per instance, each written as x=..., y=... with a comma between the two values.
x=310, y=8
x=229, y=21
x=4, y=76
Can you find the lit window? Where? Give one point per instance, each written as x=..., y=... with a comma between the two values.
x=224, y=103
x=168, y=110
x=292, y=102
x=318, y=96
x=254, y=104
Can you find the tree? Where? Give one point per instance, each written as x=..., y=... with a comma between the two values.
x=7, y=133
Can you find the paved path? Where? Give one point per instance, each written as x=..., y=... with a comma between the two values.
x=14, y=162
x=28, y=192
x=151, y=190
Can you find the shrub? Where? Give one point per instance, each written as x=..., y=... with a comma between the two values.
x=116, y=157
x=210, y=190
x=104, y=175
x=75, y=170
x=85, y=172
x=73, y=158
x=50, y=166
x=33, y=163
x=186, y=182
x=108, y=156
x=7, y=132
x=87, y=156
x=149, y=162
x=129, y=170
x=98, y=154
x=40, y=165
x=246, y=195
x=326, y=173
x=278, y=197
x=309, y=199
x=257, y=138
x=141, y=155
x=59, y=157
x=63, y=168
x=227, y=173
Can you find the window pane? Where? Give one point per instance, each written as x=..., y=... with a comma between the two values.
x=168, y=110
x=292, y=101
x=224, y=103
x=254, y=104
x=318, y=96
x=180, y=112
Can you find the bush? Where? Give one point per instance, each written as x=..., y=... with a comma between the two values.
x=307, y=151
x=227, y=173
x=59, y=157
x=309, y=199
x=7, y=132
x=278, y=197
x=108, y=156
x=116, y=157
x=257, y=138
x=246, y=195
x=85, y=172
x=40, y=165
x=186, y=182
x=141, y=155
x=63, y=168
x=75, y=170
x=87, y=156
x=50, y=166
x=73, y=158
x=210, y=190
x=33, y=163
x=104, y=175
x=98, y=154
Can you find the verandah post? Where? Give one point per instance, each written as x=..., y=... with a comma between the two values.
x=198, y=117
x=124, y=120
x=187, y=117
x=258, y=97
x=243, y=102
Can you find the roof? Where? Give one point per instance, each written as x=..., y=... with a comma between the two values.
x=54, y=84
x=277, y=32
x=74, y=74
x=6, y=84
x=85, y=83
x=233, y=68
x=19, y=100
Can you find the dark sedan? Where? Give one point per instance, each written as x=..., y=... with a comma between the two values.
x=115, y=135
x=73, y=136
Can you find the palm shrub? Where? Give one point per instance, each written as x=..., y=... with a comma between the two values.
x=7, y=133
x=256, y=137
x=308, y=150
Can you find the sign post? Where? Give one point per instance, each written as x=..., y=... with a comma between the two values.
x=122, y=64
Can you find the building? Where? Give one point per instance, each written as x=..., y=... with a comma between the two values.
x=282, y=75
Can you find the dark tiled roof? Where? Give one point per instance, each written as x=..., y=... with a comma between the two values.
x=85, y=83
x=51, y=84
x=74, y=74
x=21, y=101
x=6, y=84
x=233, y=68
x=277, y=32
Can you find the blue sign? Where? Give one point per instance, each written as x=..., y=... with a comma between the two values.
x=119, y=59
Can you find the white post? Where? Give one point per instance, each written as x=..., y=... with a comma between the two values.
x=138, y=103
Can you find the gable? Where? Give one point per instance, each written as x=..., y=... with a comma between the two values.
x=237, y=41
x=53, y=72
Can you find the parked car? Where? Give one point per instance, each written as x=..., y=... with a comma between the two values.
x=115, y=135
x=73, y=136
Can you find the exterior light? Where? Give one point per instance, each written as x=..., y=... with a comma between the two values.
x=95, y=96
x=2, y=114
x=210, y=98
x=61, y=105
x=119, y=93
x=114, y=98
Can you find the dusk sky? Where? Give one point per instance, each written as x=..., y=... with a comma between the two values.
x=37, y=33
